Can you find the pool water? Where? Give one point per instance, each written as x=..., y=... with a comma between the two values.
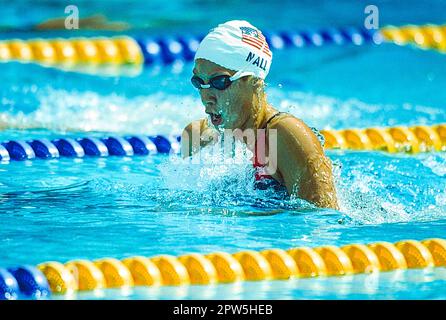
x=92, y=208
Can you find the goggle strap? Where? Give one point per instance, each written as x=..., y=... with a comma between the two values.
x=239, y=74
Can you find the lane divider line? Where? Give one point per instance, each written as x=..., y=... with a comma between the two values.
x=74, y=54
x=219, y=267
x=393, y=139
x=166, y=50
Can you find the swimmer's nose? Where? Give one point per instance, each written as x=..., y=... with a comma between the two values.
x=208, y=98
x=210, y=109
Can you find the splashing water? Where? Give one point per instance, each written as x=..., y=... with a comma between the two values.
x=215, y=179
x=387, y=189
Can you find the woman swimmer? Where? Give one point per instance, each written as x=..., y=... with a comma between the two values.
x=231, y=64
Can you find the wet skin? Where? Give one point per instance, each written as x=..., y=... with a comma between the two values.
x=301, y=163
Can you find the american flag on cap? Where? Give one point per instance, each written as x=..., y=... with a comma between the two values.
x=255, y=38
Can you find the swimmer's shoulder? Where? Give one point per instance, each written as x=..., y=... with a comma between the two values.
x=292, y=130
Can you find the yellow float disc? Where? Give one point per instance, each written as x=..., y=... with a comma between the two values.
x=129, y=50
x=309, y=262
x=415, y=253
x=87, y=51
x=441, y=131
x=380, y=139
x=59, y=278
x=43, y=51
x=86, y=274
x=227, y=267
x=427, y=136
x=441, y=45
x=173, y=273
x=282, y=264
x=336, y=261
x=390, y=258
x=435, y=34
x=394, y=34
x=65, y=51
x=255, y=266
x=356, y=139
x=144, y=272
x=108, y=51
x=5, y=52
x=115, y=273
x=333, y=140
x=437, y=247
x=20, y=50
x=419, y=36
x=363, y=259
x=405, y=138
x=199, y=268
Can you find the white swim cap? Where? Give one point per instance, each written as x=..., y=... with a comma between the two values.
x=237, y=45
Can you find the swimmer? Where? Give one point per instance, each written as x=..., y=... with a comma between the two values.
x=231, y=65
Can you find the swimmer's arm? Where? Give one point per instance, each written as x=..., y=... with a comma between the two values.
x=196, y=135
x=301, y=161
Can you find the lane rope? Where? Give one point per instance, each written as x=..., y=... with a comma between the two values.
x=424, y=37
x=80, y=54
x=165, y=50
x=412, y=140
x=219, y=267
x=91, y=55
x=101, y=50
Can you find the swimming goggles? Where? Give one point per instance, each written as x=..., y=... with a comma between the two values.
x=221, y=82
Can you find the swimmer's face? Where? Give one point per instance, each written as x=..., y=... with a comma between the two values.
x=228, y=108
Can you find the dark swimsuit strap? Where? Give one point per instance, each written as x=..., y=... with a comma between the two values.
x=272, y=117
x=264, y=127
x=256, y=164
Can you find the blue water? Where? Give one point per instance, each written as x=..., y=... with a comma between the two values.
x=118, y=207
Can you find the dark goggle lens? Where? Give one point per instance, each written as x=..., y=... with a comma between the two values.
x=196, y=82
x=218, y=82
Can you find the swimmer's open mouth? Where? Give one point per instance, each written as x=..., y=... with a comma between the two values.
x=216, y=119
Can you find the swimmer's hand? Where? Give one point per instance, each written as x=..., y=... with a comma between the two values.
x=209, y=135
x=197, y=135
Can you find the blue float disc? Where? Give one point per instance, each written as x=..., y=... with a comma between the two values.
x=93, y=147
x=151, y=50
x=31, y=281
x=9, y=288
x=171, y=50
x=43, y=148
x=118, y=146
x=142, y=145
x=19, y=150
x=69, y=147
x=190, y=45
x=162, y=143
